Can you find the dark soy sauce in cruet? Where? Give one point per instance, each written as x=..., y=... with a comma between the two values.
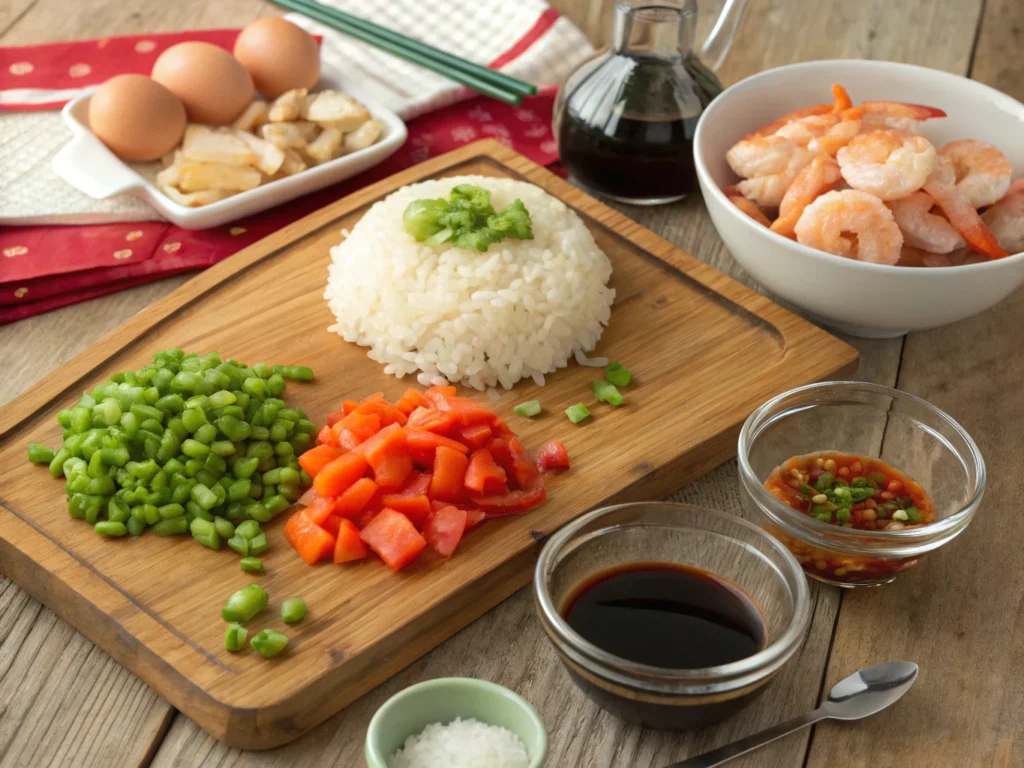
x=625, y=120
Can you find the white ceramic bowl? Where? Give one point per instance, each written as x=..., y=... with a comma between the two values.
x=87, y=164
x=869, y=300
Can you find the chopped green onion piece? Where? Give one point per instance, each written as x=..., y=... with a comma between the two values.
x=606, y=393
x=577, y=413
x=269, y=643
x=244, y=604
x=914, y=514
x=528, y=410
x=293, y=610
x=901, y=515
x=234, y=637
x=40, y=454
x=618, y=374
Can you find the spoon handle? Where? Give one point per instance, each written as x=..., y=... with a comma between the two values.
x=752, y=742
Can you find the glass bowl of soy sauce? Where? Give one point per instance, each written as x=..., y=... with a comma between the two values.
x=669, y=615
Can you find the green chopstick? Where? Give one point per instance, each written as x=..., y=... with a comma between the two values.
x=475, y=76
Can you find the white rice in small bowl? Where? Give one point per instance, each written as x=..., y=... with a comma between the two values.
x=521, y=309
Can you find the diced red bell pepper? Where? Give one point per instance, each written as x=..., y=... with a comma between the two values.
x=449, y=473
x=411, y=500
x=320, y=510
x=513, y=502
x=356, y=428
x=394, y=538
x=500, y=428
x=381, y=408
x=552, y=455
x=513, y=458
x=447, y=392
x=433, y=420
x=317, y=458
x=355, y=499
x=416, y=508
x=467, y=411
x=523, y=467
x=387, y=453
x=474, y=517
x=417, y=484
x=348, y=546
x=332, y=525
x=475, y=436
x=327, y=437
x=444, y=528
x=369, y=512
x=422, y=446
x=410, y=401
x=483, y=475
x=308, y=497
x=311, y=541
x=338, y=476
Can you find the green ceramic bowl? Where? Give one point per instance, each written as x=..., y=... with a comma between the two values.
x=441, y=701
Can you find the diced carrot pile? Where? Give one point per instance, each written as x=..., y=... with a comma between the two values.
x=396, y=478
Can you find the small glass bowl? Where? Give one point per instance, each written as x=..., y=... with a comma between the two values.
x=720, y=543
x=864, y=419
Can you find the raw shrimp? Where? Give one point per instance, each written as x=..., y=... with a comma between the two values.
x=750, y=208
x=889, y=164
x=982, y=172
x=821, y=176
x=853, y=224
x=1006, y=219
x=768, y=164
x=941, y=185
x=921, y=229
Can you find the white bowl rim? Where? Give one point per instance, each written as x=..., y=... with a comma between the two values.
x=814, y=253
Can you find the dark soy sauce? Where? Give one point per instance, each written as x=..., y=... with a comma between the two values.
x=666, y=615
x=627, y=128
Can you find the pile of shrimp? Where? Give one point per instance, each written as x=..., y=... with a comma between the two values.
x=862, y=182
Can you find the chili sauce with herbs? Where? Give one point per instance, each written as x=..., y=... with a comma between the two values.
x=851, y=491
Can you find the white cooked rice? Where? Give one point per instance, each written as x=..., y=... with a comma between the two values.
x=522, y=309
x=461, y=744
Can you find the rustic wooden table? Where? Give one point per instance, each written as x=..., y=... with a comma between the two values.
x=959, y=614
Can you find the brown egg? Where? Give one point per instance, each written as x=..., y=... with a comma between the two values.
x=138, y=119
x=211, y=83
x=278, y=55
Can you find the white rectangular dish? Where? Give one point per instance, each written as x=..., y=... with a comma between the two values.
x=87, y=164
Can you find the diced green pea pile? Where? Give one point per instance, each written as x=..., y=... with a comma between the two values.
x=188, y=443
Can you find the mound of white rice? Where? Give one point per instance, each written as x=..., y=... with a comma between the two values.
x=521, y=309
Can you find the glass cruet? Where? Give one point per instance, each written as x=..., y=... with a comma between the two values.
x=625, y=118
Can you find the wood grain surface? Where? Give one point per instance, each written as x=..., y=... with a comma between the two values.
x=704, y=351
x=52, y=716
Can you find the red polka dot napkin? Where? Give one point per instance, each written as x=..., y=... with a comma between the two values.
x=46, y=267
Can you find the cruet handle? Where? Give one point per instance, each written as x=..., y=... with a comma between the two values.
x=717, y=46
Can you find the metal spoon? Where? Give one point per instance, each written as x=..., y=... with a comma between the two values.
x=860, y=695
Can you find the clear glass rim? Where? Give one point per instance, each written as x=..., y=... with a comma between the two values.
x=724, y=677
x=906, y=542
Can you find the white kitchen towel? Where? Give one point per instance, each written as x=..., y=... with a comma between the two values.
x=523, y=38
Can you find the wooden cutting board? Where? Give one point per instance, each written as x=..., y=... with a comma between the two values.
x=704, y=350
